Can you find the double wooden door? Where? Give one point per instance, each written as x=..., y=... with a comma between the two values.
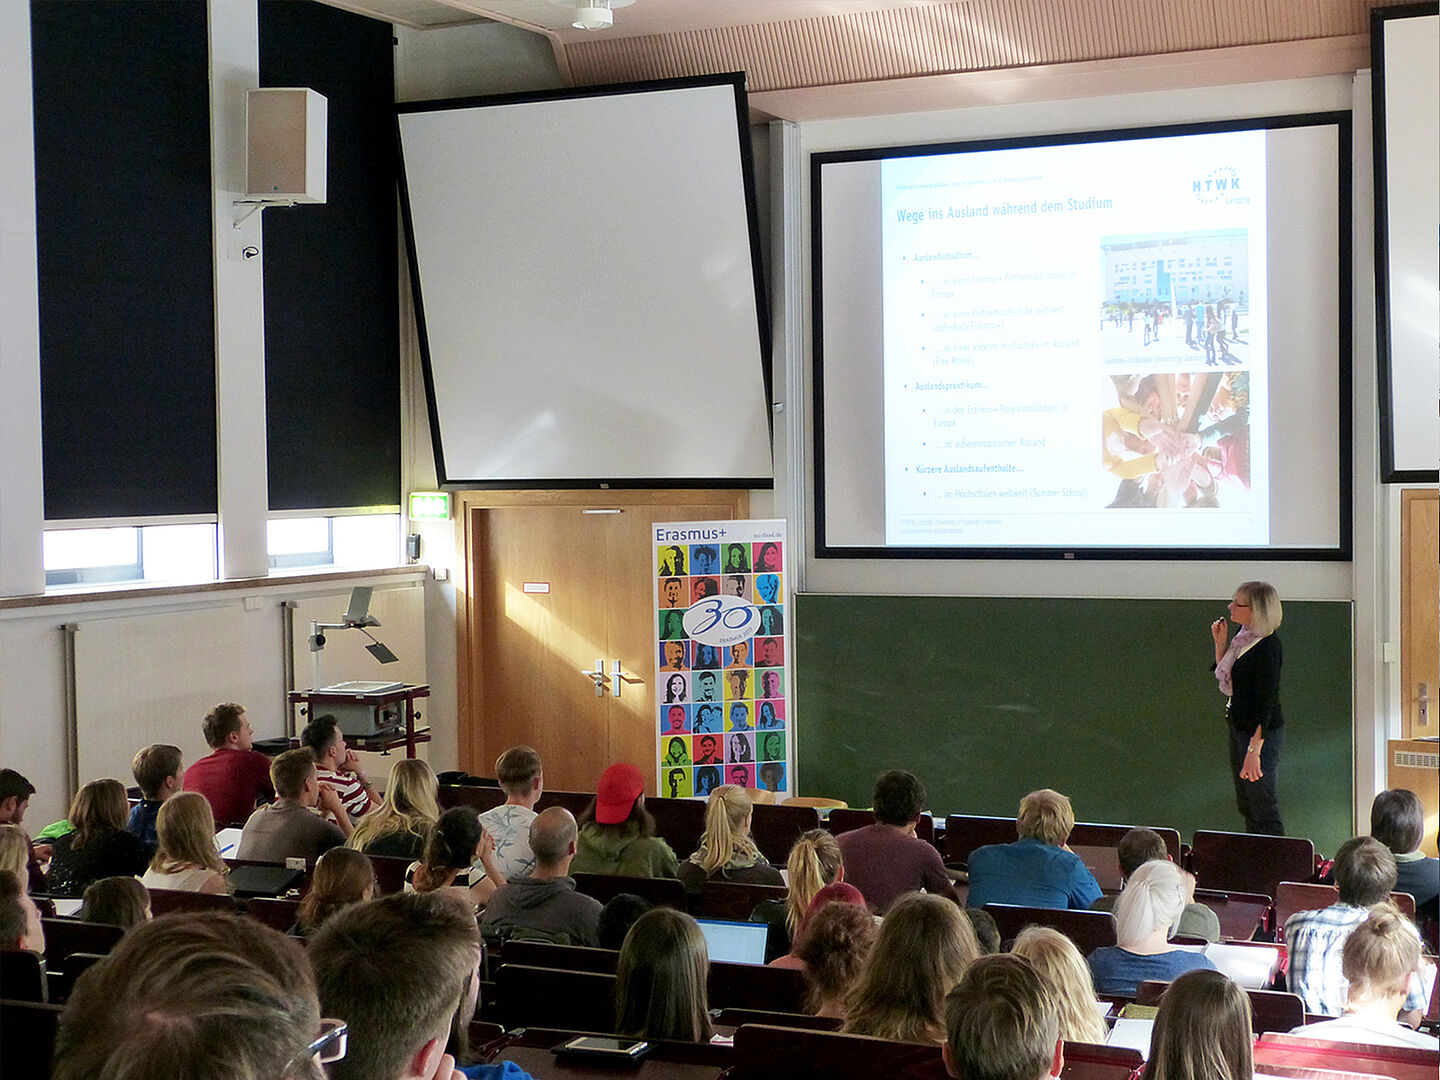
x=557, y=582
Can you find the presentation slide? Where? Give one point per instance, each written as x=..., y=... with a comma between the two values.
x=1101, y=343
x=1076, y=333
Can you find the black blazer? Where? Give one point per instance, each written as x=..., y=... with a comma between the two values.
x=1255, y=680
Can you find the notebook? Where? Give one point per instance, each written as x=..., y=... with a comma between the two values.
x=737, y=942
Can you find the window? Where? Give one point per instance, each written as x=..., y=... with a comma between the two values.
x=350, y=540
x=107, y=556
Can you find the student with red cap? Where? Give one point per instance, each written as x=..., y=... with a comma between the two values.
x=617, y=833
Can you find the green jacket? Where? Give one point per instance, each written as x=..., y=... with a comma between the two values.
x=620, y=849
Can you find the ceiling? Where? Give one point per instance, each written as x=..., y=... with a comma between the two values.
x=791, y=45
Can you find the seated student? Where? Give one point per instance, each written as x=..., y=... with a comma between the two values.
x=206, y=996
x=402, y=970
x=987, y=931
x=726, y=852
x=814, y=862
x=1365, y=876
x=338, y=767
x=15, y=853
x=1000, y=1024
x=20, y=925
x=1146, y=916
x=838, y=892
x=660, y=980
x=545, y=904
x=159, y=770
x=617, y=833
x=187, y=859
x=342, y=877
x=15, y=792
x=1397, y=820
x=1202, y=1029
x=886, y=860
x=1037, y=870
x=1067, y=978
x=522, y=777
x=289, y=828
x=620, y=913
x=1378, y=960
x=116, y=901
x=234, y=775
x=924, y=947
x=399, y=825
x=455, y=845
x=1136, y=848
x=836, y=944
x=99, y=846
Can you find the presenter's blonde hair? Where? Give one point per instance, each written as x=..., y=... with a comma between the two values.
x=1266, y=610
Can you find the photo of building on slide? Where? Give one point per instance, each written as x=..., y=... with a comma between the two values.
x=1174, y=297
x=1175, y=441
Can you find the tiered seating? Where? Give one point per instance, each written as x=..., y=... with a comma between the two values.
x=27, y=1033
x=662, y=892
x=843, y=820
x=66, y=936
x=1089, y=930
x=776, y=828
x=1271, y=1010
x=1243, y=862
x=1296, y=1051
x=764, y=1052
x=1294, y=896
x=165, y=901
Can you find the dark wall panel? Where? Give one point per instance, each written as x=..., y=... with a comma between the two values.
x=122, y=179
x=332, y=353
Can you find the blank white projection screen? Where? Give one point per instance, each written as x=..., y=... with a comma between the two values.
x=587, y=286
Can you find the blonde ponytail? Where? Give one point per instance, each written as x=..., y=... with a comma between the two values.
x=726, y=813
x=814, y=863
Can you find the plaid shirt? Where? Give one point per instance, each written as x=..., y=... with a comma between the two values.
x=1316, y=940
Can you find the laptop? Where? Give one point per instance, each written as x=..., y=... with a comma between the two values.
x=735, y=942
x=263, y=880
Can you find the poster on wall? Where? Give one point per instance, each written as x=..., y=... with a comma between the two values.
x=723, y=657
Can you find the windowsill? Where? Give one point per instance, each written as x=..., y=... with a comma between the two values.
x=142, y=590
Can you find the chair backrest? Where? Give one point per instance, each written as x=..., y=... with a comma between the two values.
x=27, y=1032
x=1240, y=913
x=76, y=964
x=1089, y=930
x=1302, y=1072
x=22, y=976
x=732, y=900
x=481, y=798
x=66, y=936
x=276, y=912
x=575, y=801
x=1402, y=1063
x=752, y=986
x=763, y=1052
x=845, y=819
x=966, y=832
x=564, y=957
x=166, y=901
x=1091, y=1061
x=1246, y=862
x=662, y=892
x=776, y=828
x=1293, y=896
x=390, y=870
x=739, y=1017
x=1097, y=845
x=548, y=997
x=1270, y=1010
x=680, y=821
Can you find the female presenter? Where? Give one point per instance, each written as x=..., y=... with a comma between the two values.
x=1248, y=670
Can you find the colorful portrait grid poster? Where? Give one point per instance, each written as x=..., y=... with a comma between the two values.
x=722, y=657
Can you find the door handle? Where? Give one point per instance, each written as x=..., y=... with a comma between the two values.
x=597, y=676
x=1424, y=699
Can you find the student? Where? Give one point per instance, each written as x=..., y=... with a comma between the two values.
x=617, y=833
x=287, y=828
x=1037, y=870
x=403, y=970
x=117, y=901
x=99, y=845
x=15, y=853
x=1146, y=915
x=207, y=996
x=234, y=775
x=1136, y=848
x=338, y=767
x=1000, y=1024
x=343, y=877
x=20, y=925
x=1067, y=979
x=522, y=776
x=187, y=859
x=545, y=904
x=1397, y=820
x=1202, y=1031
x=726, y=851
x=456, y=844
x=837, y=942
x=397, y=828
x=886, y=860
x=159, y=770
x=15, y=792
x=924, y=947
x=660, y=980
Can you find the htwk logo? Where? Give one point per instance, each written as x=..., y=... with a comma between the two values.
x=1221, y=183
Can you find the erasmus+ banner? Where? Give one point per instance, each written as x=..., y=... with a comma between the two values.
x=721, y=641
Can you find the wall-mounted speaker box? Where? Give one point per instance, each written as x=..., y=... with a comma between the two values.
x=285, y=130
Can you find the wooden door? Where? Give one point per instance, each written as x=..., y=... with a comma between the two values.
x=555, y=582
x=1420, y=611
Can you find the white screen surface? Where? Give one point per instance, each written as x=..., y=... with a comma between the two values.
x=734, y=942
x=587, y=287
x=1101, y=343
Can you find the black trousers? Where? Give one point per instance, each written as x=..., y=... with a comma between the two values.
x=1256, y=799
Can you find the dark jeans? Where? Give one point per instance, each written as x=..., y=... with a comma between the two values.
x=1256, y=799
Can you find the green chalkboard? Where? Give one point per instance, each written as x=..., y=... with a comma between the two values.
x=1110, y=701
